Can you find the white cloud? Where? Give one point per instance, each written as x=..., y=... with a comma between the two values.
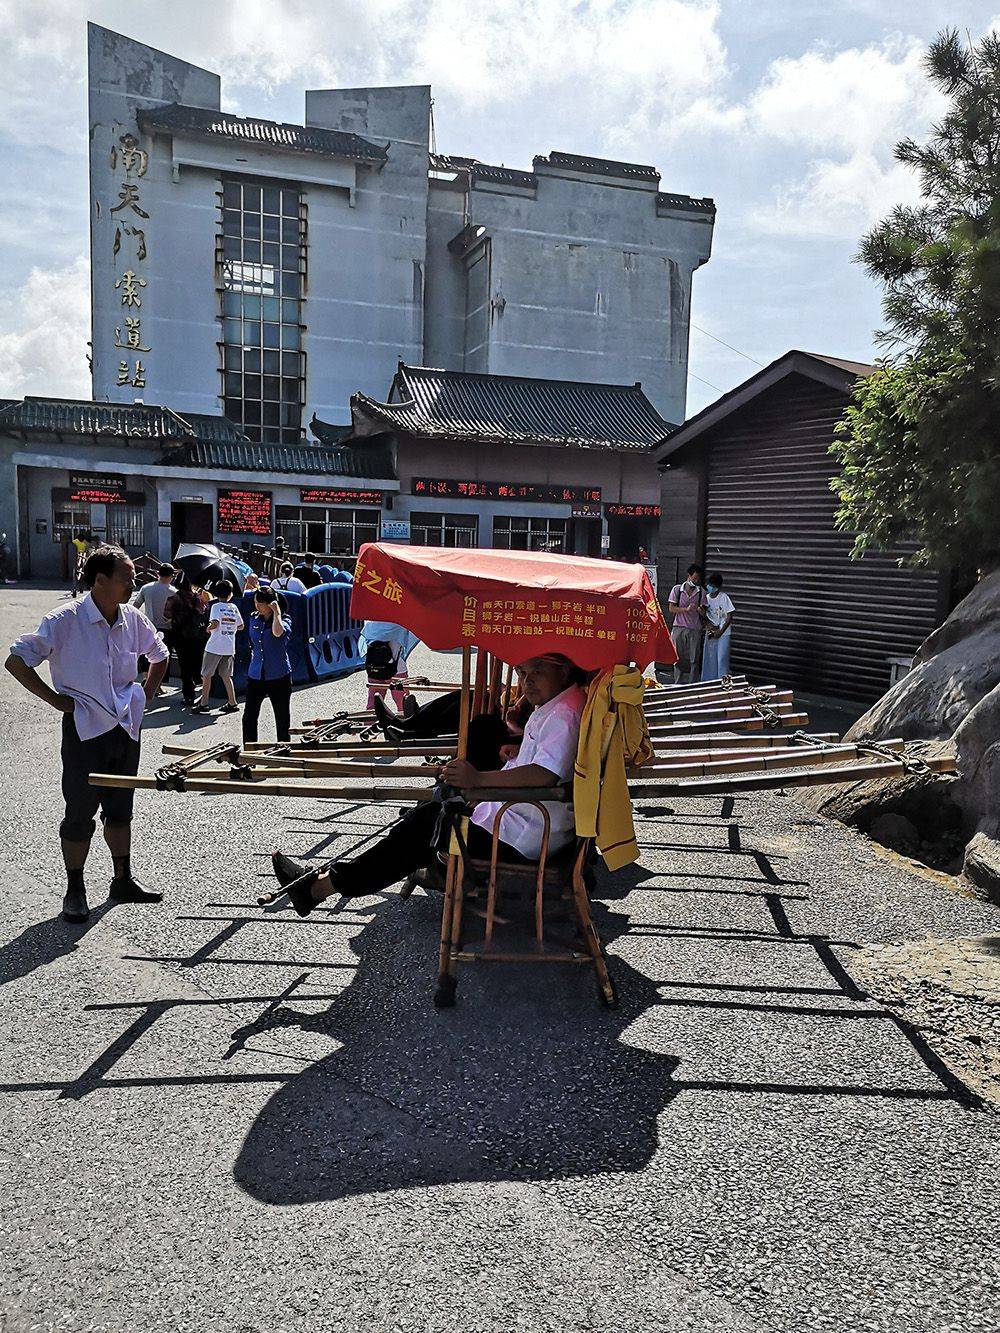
x=44, y=328
x=846, y=110
x=839, y=198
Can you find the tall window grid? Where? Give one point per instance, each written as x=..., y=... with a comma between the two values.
x=429, y=529
x=514, y=532
x=326, y=531
x=263, y=264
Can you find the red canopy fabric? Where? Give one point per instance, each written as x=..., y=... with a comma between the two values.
x=514, y=604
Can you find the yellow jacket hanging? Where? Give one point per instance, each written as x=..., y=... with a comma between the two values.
x=613, y=734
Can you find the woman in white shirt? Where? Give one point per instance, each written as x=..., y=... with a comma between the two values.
x=718, y=612
x=287, y=581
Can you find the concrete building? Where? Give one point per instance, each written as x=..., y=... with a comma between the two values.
x=250, y=268
x=248, y=277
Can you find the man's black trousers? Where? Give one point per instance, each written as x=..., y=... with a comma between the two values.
x=113, y=752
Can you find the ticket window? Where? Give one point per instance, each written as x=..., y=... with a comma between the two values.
x=516, y=532
x=326, y=530
x=118, y=524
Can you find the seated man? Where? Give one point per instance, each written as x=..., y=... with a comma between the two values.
x=544, y=758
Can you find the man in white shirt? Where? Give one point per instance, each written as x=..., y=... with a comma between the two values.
x=545, y=759
x=92, y=647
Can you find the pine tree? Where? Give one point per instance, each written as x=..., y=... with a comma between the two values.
x=920, y=443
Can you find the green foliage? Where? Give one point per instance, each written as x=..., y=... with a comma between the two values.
x=920, y=443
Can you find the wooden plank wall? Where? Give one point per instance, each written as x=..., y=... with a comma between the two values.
x=807, y=615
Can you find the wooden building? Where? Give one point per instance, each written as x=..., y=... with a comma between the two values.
x=746, y=492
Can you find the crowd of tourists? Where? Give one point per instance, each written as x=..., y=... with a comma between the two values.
x=99, y=645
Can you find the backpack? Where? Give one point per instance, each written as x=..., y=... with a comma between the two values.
x=381, y=660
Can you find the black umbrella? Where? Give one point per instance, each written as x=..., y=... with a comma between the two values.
x=205, y=565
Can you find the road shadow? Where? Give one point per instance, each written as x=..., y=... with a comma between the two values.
x=527, y=1078
x=44, y=942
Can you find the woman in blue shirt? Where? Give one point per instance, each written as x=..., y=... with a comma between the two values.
x=270, y=672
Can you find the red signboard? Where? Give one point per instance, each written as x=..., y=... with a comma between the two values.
x=517, y=604
x=245, y=512
x=97, y=488
x=505, y=490
x=315, y=495
x=632, y=511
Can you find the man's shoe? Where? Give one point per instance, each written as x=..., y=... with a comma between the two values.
x=410, y=706
x=131, y=891
x=285, y=869
x=74, y=906
x=384, y=716
x=300, y=892
x=230, y=708
x=199, y=707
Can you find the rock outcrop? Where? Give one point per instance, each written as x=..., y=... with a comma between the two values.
x=950, y=700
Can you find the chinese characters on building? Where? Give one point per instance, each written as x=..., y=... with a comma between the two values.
x=130, y=248
x=503, y=490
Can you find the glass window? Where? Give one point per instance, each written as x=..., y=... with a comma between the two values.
x=261, y=308
x=125, y=526
x=444, y=529
x=326, y=531
x=516, y=532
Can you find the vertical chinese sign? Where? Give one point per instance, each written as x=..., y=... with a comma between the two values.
x=130, y=251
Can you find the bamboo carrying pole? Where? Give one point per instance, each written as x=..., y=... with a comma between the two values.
x=807, y=776
x=451, y=908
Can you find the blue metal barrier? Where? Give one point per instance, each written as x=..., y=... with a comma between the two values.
x=331, y=635
x=324, y=638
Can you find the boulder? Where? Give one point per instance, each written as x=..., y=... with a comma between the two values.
x=982, y=865
x=950, y=701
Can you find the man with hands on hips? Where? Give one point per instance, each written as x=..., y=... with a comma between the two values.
x=92, y=647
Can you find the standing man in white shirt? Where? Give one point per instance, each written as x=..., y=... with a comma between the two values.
x=544, y=759
x=92, y=647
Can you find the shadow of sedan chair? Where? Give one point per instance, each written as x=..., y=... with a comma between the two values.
x=526, y=1080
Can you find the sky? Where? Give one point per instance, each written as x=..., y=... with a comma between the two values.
x=783, y=111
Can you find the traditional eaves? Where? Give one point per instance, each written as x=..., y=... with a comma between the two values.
x=64, y=416
x=205, y=123
x=305, y=459
x=509, y=409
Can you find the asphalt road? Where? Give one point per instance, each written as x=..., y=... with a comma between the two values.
x=221, y=1118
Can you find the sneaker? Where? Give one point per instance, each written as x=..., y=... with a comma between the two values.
x=199, y=707
x=231, y=708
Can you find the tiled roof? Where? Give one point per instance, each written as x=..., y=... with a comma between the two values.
x=327, y=432
x=599, y=166
x=481, y=171
x=508, y=409
x=205, y=123
x=685, y=202
x=311, y=459
x=64, y=416
x=216, y=429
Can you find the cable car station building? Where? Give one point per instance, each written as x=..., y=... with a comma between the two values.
x=452, y=327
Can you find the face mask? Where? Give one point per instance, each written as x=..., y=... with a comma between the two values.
x=712, y=589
